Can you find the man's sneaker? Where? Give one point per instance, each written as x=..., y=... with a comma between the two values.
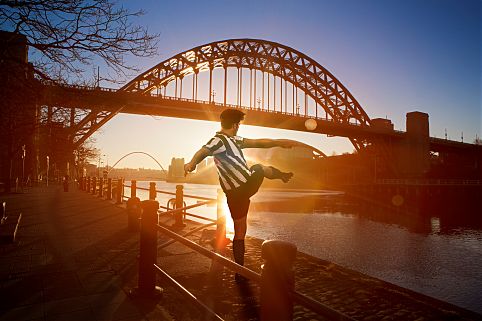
x=285, y=177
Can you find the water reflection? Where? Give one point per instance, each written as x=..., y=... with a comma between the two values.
x=430, y=219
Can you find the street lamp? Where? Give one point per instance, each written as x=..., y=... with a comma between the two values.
x=98, y=165
x=213, y=94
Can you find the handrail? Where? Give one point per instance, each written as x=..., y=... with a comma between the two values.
x=172, y=193
x=212, y=255
x=300, y=298
x=199, y=197
x=187, y=294
x=180, y=209
x=188, y=214
x=163, y=245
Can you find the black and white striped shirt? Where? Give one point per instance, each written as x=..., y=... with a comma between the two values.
x=232, y=168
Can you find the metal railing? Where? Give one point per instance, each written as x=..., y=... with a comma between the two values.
x=274, y=279
x=436, y=182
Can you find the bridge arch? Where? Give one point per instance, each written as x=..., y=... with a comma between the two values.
x=137, y=152
x=304, y=73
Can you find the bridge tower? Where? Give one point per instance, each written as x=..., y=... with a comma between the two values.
x=416, y=154
x=18, y=117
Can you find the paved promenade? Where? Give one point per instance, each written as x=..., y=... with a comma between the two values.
x=74, y=259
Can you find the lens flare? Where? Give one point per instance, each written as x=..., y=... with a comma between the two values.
x=310, y=124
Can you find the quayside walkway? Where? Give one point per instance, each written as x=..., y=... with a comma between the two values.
x=75, y=259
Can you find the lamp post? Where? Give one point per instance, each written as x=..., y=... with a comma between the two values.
x=213, y=94
x=98, y=164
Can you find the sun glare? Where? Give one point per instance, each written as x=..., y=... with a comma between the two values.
x=229, y=221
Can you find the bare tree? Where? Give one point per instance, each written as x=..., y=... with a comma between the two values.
x=65, y=38
x=67, y=35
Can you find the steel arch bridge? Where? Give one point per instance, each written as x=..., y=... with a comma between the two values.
x=289, y=65
x=277, y=75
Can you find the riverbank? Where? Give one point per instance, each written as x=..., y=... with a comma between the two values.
x=75, y=259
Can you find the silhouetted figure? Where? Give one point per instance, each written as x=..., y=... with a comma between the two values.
x=238, y=181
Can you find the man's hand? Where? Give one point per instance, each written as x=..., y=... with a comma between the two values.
x=189, y=167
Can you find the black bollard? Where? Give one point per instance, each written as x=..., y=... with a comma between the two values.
x=133, y=213
x=277, y=280
x=179, y=204
x=148, y=250
x=109, y=189
x=133, y=188
x=119, y=189
x=152, y=191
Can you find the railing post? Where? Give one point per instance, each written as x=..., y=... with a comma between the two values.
x=94, y=184
x=87, y=189
x=101, y=186
x=277, y=280
x=120, y=186
x=179, y=204
x=148, y=250
x=133, y=188
x=221, y=240
x=152, y=191
x=133, y=207
x=109, y=189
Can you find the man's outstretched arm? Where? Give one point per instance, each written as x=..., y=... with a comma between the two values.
x=268, y=143
x=196, y=159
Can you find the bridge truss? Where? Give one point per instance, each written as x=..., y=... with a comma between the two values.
x=288, y=82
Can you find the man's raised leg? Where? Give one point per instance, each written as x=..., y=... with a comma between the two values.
x=271, y=172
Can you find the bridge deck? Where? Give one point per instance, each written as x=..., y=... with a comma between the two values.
x=75, y=260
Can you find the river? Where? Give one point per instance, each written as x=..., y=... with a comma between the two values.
x=434, y=254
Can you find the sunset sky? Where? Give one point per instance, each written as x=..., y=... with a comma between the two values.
x=393, y=56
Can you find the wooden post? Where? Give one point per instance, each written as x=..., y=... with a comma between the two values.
x=133, y=208
x=277, y=280
x=152, y=191
x=120, y=188
x=133, y=188
x=109, y=188
x=179, y=204
x=148, y=250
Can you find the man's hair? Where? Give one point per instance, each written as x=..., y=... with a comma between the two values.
x=229, y=117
